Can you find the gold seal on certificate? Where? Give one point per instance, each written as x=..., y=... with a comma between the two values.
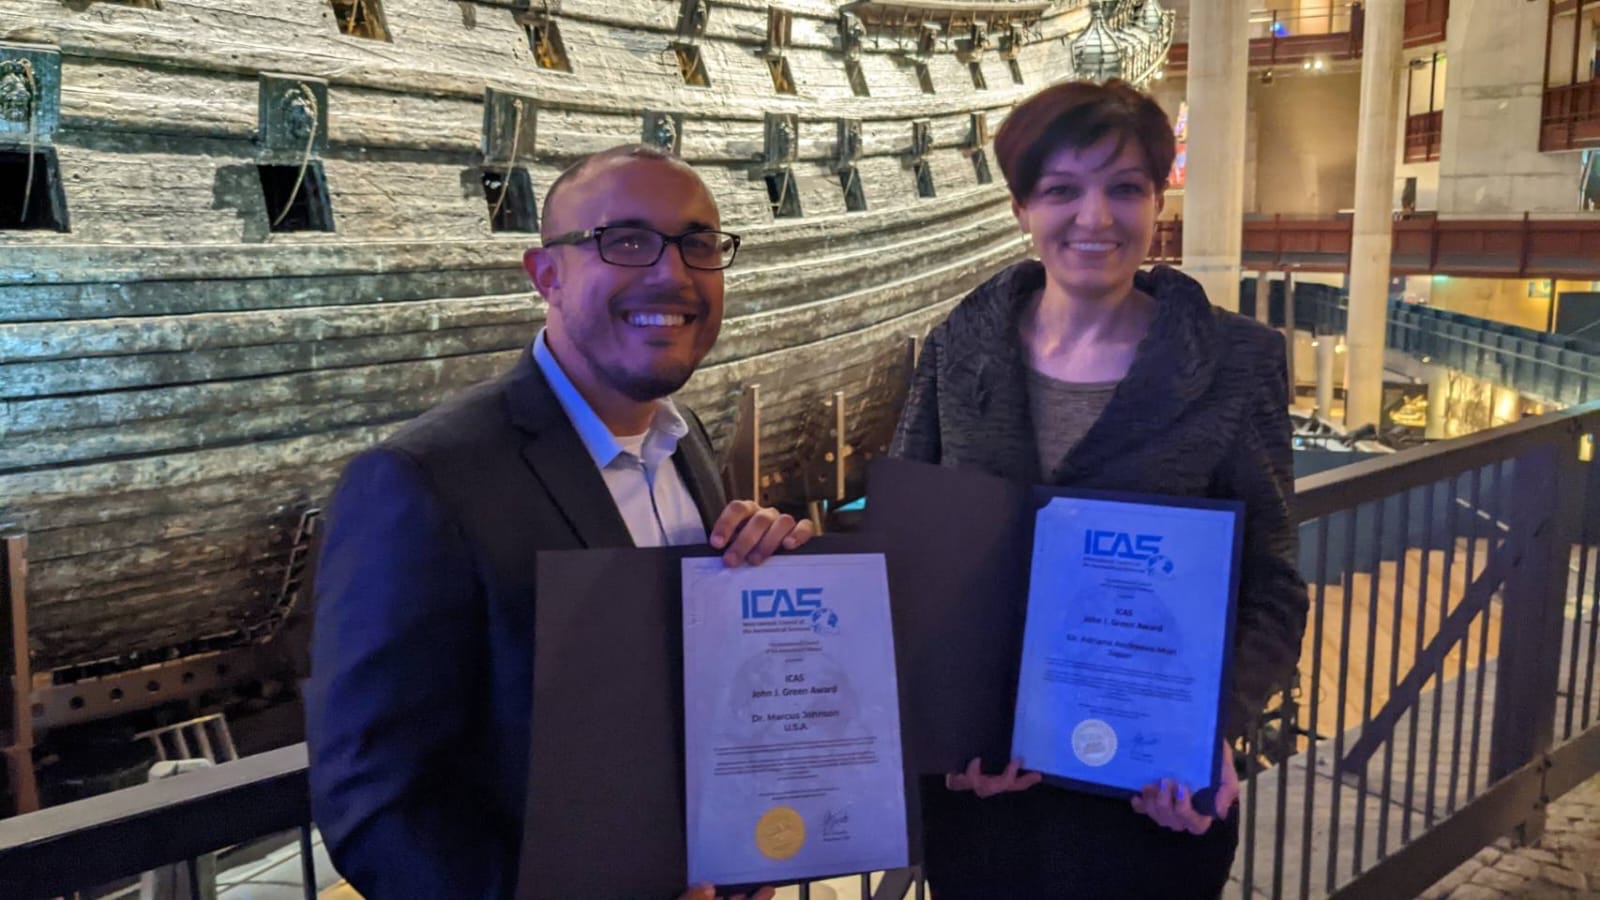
x=780, y=833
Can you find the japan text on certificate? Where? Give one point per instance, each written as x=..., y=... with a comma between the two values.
x=1127, y=643
x=791, y=720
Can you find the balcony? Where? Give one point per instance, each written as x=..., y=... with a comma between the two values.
x=1425, y=22
x=1280, y=38
x=1474, y=248
x=1423, y=133
x=1571, y=117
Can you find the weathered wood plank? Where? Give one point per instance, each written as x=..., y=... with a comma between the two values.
x=76, y=263
x=101, y=300
x=181, y=367
x=207, y=331
x=184, y=410
x=463, y=57
x=65, y=543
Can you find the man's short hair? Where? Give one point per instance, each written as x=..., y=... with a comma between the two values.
x=571, y=173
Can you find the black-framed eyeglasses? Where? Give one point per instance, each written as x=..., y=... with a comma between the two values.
x=638, y=247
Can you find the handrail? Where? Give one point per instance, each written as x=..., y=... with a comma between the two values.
x=1451, y=339
x=1503, y=351
x=1347, y=487
x=1304, y=309
x=63, y=848
x=1543, y=246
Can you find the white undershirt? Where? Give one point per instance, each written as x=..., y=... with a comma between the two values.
x=638, y=470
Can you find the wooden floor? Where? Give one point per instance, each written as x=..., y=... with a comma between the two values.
x=1388, y=619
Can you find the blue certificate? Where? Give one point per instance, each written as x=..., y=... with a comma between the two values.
x=792, y=763
x=1127, y=643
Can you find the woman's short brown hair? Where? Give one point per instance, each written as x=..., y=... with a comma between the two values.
x=1078, y=114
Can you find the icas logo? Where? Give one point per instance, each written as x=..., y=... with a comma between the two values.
x=1121, y=545
x=780, y=603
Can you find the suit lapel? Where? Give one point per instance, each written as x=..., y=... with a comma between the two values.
x=699, y=471
x=700, y=474
x=559, y=460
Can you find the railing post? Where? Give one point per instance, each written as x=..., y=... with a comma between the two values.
x=743, y=470
x=18, y=732
x=1544, y=524
x=1289, y=329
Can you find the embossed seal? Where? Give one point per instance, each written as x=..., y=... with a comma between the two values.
x=1094, y=742
x=780, y=833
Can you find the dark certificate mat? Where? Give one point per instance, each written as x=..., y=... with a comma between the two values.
x=960, y=549
x=605, y=811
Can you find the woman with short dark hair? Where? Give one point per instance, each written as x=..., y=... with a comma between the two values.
x=1076, y=368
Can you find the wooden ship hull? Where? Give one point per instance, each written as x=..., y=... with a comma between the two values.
x=190, y=347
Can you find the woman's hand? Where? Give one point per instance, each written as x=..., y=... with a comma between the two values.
x=983, y=785
x=1171, y=805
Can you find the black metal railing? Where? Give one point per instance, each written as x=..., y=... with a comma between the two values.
x=1432, y=715
x=1556, y=368
x=178, y=820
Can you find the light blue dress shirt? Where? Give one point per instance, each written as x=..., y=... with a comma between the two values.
x=638, y=470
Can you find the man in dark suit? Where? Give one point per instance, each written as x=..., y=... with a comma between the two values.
x=418, y=705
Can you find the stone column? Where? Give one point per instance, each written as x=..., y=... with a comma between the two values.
x=1213, y=202
x=1438, y=427
x=1327, y=345
x=1373, y=229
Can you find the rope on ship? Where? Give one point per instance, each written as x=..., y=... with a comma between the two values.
x=783, y=193
x=305, y=158
x=24, y=69
x=511, y=166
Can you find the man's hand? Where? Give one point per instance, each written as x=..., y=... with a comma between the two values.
x=750, y=533
x=707, y=892
x=1172, y=805
x=983, y=785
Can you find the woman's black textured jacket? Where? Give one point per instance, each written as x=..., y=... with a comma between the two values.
x=1203, y=411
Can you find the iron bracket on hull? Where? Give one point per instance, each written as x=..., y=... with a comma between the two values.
x=30, y=94
x=293, y=118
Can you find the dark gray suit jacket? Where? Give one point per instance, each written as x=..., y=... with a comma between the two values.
x=418, y=707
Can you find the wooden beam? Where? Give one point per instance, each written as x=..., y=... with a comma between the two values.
x=18, y=751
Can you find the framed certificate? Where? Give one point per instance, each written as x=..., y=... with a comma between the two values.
x=792, y=742
x=646, y=773
x=1128, y=640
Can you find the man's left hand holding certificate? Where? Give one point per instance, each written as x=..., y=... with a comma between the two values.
x=793, y=764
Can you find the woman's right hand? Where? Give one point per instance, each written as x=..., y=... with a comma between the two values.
x=973, y=779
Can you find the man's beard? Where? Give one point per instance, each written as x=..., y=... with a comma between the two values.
x=647, y=387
